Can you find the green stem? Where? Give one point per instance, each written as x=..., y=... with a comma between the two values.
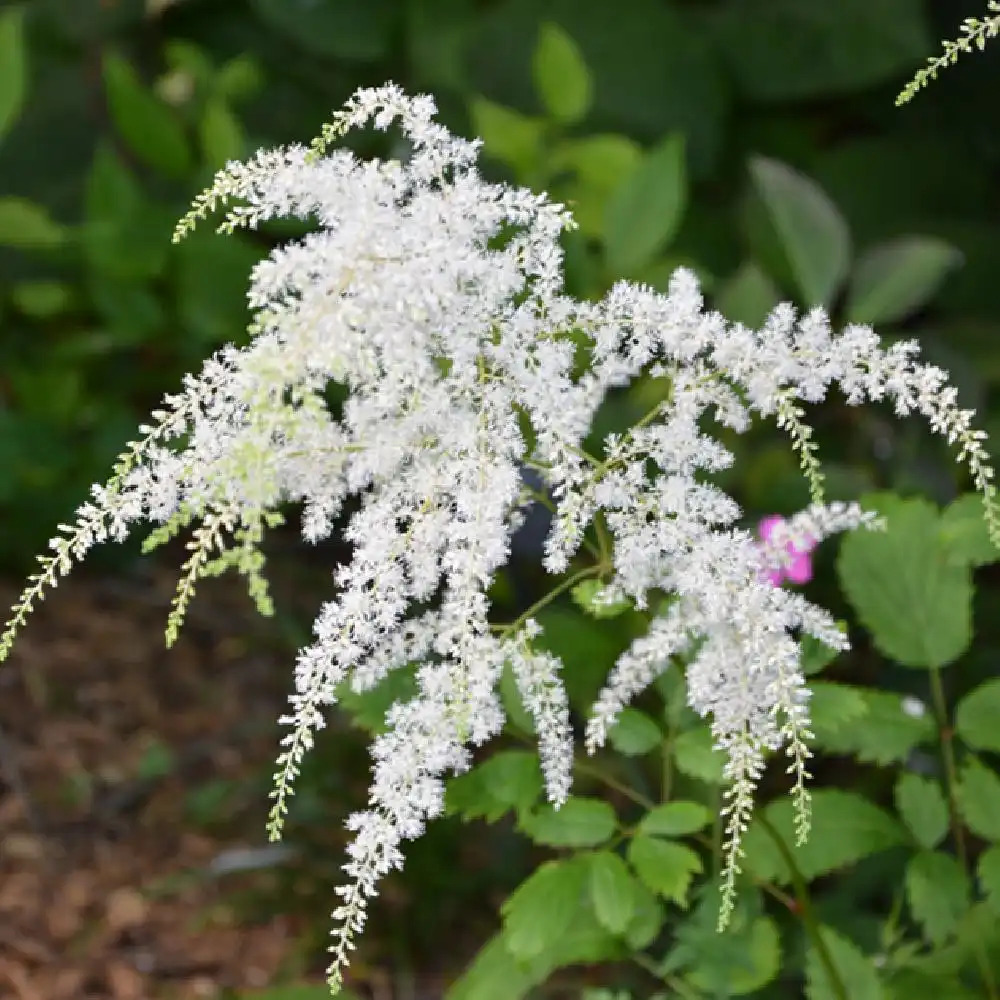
x=560, y=588
x=805, y=905
x=957, y=831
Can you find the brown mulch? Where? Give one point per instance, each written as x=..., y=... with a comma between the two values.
x=107, y=887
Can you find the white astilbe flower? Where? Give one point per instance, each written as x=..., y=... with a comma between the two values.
x=436, y=299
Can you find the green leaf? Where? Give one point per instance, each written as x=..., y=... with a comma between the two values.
x=979, y=799
x=817, y=655
x=748, y=296
x=541, y=907
x=889, y=729
x=612, y=891
x=839, y=48
x=665, y=867
x=938, y=892
x=43, y=299
x=508, y=135
x=833, y=708
x=812, y=232
x=578, y=822
x=511, y=779
x=146, y=123
x=28, y=226
x=13, y=68
x=977, y=717
x=597, y=163
x=647, y=920
x=584, y=595
x=915, y=601
x=494, y=974
x=635, y=733
x=856, y=971
x=964, y=532
x=675, y=819
x=758, y=962
x=923, y=808
x=846, y=827
x=220, y=133
x=561, y=76
x=696, y=756
x=988, y=870
x=646, y=208
x=893, y=280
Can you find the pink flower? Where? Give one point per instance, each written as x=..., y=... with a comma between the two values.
x=798, y=568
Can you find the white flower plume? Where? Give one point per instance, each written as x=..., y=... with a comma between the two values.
x=436, y=298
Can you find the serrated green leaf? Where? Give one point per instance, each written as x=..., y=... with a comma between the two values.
x=894, y=279
x=833, y=708
x=855, y=970
x=839, y=48
x=28, y=226
x=579, y=822
x=915, y=601
x=561, y=77
x=584, y=595
x=646, y=208
x=978, y=795
x=612, y=891
x=13, y=67
x=147, y=124
x=508, y=135
x=758, y=962
x=748, y=296
x=696, y=756
x=540, y=909
x=923, y=808
x=964, y=532
x=811, y=230
x=888, y=730
x=635, y=733
x=845, y=828
x=937, y=889
x=675, y=819
x=647, y=920
x=977, y=717
x=664, y=866
x=988, y=870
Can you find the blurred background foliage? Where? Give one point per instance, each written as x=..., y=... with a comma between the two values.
x=755, y=141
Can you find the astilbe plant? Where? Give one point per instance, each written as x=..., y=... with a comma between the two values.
x=436, y=298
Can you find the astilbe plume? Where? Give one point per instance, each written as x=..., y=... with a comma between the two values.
x=436, y=298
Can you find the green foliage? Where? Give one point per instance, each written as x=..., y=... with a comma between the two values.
x=907, y=586
x=13, y=67
x=675, y=819
x=850, y=828
x=922, y=807
x=979, y=799
x=937, y=890
x=858, y=978
x=811, y=233
x=646, y=207
x=977, y=717
x=561, y=76
x=893, y=280
x=578, y=822
x=665, y=867
x=635, y=733
x=613, y=890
